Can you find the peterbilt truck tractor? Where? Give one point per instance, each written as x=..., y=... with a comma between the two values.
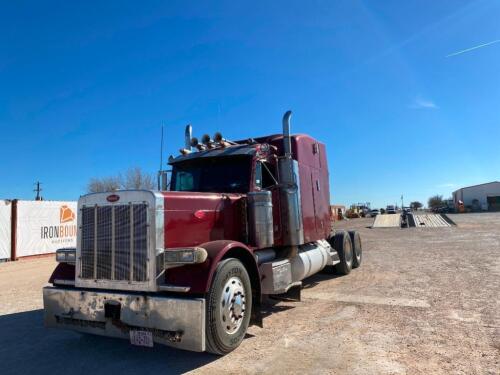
x=188, y=265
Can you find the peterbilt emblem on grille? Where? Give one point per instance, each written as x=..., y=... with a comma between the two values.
x=113, y=198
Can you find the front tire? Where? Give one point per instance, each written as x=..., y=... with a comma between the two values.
x=229, y=307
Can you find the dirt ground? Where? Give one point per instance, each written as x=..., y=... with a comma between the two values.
x=425, y=301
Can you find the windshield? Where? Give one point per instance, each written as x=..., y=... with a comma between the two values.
x=213, y=175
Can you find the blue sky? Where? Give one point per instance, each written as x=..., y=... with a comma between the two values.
x=85, y=87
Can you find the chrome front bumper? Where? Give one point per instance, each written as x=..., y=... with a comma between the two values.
x=176, y=322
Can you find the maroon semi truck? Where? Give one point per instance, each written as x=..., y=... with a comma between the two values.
x=188, y=265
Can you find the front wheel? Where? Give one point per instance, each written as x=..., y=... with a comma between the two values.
x=229, y=307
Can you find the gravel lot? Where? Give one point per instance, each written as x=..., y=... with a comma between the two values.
x=424, y=301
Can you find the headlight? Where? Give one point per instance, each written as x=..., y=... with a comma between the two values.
x=60, y=256
x=67, y=255
x=71, y=256
x=185, y=256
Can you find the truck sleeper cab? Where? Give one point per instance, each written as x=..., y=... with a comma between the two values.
x=187, y=265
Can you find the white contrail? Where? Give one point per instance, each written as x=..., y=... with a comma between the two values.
x=473, y=48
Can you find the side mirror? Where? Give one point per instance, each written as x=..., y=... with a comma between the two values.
x=164, y=180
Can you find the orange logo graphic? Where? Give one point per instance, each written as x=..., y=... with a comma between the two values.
x=66, y=214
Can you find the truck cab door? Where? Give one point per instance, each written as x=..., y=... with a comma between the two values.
x=317, y=201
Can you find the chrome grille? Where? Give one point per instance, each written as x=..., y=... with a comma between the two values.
x=112, y=248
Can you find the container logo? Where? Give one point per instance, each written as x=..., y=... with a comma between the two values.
x=65, y=232
x=66, y=214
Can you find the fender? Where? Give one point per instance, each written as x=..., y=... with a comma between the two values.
x=199, y=276
x=63, y=271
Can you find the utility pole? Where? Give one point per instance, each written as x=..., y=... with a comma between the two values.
x=38, y=189
x=402, y=204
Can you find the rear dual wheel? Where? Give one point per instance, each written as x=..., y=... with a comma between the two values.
x=349, y=248
x=343, y=245
x=229, y=307
x=357, y=248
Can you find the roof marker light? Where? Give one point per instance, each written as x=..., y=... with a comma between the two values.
x=200, y=214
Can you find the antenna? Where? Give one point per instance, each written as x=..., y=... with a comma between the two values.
x=161, y=159
x=38, y=189
x=161, y=148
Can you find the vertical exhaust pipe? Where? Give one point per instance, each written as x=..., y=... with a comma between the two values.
x=291, y=209
x=188, y=134
x=287, y=143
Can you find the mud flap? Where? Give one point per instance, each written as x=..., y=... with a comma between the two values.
x=257, y=319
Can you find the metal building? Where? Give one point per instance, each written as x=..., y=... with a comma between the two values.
x=482, y=197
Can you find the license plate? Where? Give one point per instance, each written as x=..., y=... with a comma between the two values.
x=141, y=338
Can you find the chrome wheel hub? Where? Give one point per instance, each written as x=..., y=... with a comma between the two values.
x=232, y=305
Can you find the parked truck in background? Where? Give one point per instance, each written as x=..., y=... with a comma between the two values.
x=390, y=209
x=188, y=265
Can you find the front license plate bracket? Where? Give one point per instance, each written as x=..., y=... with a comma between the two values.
x=141, y=338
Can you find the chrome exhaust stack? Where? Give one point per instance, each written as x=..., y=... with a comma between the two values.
x=188, y=134
x=291, y=212
x=287, y=143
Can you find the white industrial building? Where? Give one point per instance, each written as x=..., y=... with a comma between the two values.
x=32, y=228
x=485, y=197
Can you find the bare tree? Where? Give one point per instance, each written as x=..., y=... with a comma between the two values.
x=134, y=178
x=416, y=205
x=435, y=202
x=99, y=185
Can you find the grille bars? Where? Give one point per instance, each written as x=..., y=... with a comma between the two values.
x=113, y=242
x=132, y=228
x=95, y=242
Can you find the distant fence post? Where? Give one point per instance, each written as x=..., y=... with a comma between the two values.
x=13, y=230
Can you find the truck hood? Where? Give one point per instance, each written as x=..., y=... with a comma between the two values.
x=195, y=218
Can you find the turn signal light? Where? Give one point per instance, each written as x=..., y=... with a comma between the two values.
x=180, y=256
